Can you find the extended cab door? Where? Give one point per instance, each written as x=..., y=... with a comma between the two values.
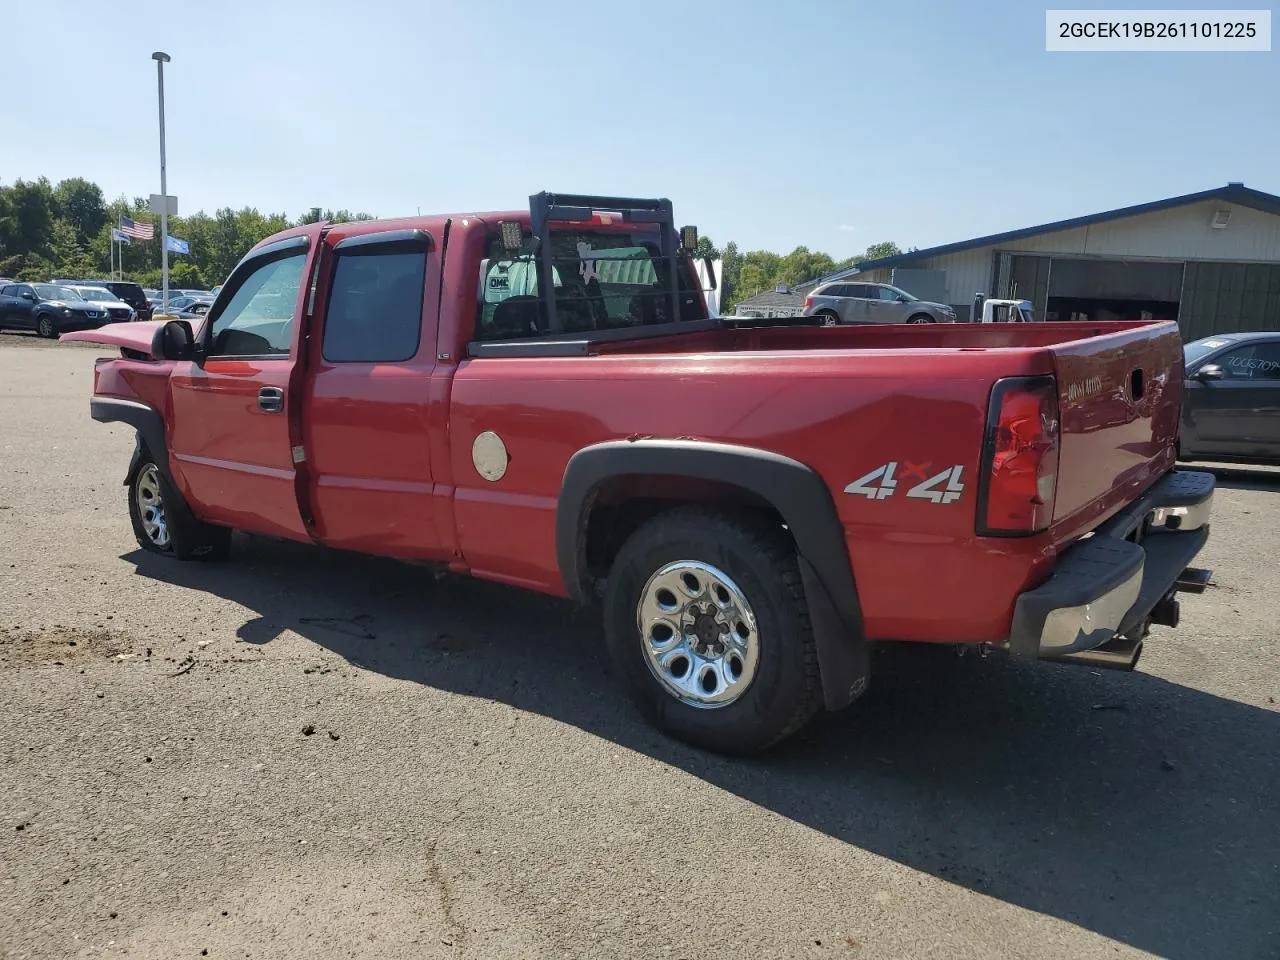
x=371, y=351
x=232, y=426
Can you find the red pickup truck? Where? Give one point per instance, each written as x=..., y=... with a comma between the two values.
x=540, y=398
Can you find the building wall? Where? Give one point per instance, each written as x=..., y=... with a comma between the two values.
x=1182, y=233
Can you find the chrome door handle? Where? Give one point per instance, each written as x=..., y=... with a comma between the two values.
x=271, y=400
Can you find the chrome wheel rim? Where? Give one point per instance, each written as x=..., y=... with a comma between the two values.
x=698, y=634
x=151, y=506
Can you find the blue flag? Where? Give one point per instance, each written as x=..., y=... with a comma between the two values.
x=118, y=236
x=177, y=246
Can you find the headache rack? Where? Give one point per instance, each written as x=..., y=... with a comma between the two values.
x=547, y=208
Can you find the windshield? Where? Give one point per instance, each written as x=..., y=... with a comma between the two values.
x=95, y=293
x=51, y=291
x=1193, y=353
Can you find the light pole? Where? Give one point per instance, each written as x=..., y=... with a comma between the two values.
x=161, y=59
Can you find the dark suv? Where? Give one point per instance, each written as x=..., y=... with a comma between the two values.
x=128, y=291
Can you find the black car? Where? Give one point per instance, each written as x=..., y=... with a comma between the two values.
x=1231, y=406
x=128, y=291
x=47, y=308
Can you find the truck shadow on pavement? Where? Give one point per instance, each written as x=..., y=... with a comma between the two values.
x=1128, y=805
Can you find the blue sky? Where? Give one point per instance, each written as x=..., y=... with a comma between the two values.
x=818, y=122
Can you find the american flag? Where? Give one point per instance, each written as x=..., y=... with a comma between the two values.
x=139, y=231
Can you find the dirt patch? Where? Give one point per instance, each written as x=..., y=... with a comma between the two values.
x=59, y=646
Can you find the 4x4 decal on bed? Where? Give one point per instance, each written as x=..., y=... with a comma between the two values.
x=881, y=483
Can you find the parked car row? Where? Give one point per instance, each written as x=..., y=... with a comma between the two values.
x=54, y=308
x=125, y=290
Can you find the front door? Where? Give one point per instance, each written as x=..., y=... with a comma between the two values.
x=366, y=432
x=232, y=434
x=886, y=307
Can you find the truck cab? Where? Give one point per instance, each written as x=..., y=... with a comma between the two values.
x=992, y=310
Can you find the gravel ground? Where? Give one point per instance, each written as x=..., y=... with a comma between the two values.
x=306, y=753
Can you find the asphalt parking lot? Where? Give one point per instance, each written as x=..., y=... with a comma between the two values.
x=304, y=753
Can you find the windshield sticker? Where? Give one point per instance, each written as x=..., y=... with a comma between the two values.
x=587, y=264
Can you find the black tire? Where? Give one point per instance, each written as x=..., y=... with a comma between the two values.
x=185, y=537
x=829, y=316
x=760, y=558
x=920, y=318
x=46, y=327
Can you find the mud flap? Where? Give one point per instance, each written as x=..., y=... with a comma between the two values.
x=844, y=661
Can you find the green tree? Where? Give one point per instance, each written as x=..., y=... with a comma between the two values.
x=80, y=204
x=32, y=209
x=71, y=256
x=877, y=251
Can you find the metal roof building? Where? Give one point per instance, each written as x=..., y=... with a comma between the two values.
x=1211, y=260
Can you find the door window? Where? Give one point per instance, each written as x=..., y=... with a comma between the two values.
x=1257, y=361
x=888, y=293
x=375, y=307
x=258, y=320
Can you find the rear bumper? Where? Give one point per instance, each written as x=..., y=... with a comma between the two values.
x=1108, y=585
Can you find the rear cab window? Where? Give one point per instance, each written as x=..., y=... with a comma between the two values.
x=602, y=280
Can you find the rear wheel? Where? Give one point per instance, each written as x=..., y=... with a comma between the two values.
x=829, y=317
x=45, y=327
x=706, y=622
x=920, y=318
x=163, y=523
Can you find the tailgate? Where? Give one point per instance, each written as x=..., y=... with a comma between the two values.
x=1119, y=400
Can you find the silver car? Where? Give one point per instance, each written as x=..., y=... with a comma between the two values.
x=846, y=302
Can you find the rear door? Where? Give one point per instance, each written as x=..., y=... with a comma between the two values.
x=235, y=419
x=1239, y=415
x=854, y=305
x=371, y=352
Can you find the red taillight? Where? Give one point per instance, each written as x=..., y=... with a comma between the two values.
x=808, y=302
x=1020, y=458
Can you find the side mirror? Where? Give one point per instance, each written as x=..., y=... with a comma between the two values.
x=174, y=341
x=28, y=295
x=1208, y=373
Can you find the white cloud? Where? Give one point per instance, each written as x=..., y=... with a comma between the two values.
x=847, y=228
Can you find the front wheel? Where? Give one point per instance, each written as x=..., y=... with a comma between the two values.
x=45, y=327
x=163, y=523
x=707, y=624
x=920, y=318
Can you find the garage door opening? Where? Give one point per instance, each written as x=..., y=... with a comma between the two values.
x=1113, y=290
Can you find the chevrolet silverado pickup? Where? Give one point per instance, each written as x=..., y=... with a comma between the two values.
x=540, y=398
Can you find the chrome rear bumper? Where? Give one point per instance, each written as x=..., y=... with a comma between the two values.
x=1108, y=585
